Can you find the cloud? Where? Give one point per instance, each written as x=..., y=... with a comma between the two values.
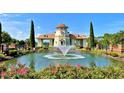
x=3, y=14
x=17, y=29
x=9, y=15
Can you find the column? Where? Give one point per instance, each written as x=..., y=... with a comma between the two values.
x=81, y=43
x=40, y=42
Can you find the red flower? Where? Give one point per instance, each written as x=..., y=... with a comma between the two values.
x=22, y=71
x=53, y=71
x=3, y=74
x=13, y=68
x=58, y=65
x=78, y=66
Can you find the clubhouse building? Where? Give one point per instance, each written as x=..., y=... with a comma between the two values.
x=62, y=37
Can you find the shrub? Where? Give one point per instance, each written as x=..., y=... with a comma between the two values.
x=13, y=53
x=121, y=55
x=42, y=50
x=62, y=72
x=2, y=55
x=87, y=48
x=114, y=54
x=23, y=52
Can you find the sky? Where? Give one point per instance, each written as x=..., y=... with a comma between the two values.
x=18, y=24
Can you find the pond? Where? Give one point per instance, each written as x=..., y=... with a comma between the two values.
x=40, y=61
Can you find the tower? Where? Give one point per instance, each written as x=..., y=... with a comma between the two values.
x=61, y=36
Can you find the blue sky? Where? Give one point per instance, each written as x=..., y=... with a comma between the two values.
x=18, y=24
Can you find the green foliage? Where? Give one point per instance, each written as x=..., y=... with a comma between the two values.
x=20, y=43
x=98, y=52
x=41, y=50
x=105, y=42
x=13, y=53
x=63, y=72
x=24, y=52
x=118, y=36
x=103, y=52
x=92, y=64
x=113, y=54
x=32, y=65
x=32, y=35
x=2, y=55
x=92, y=41
x=9, y=62
x=112, y=39
x=121, y=55
x=14, y=40
x=6, y=38
x=27, y=41
x=0, y=33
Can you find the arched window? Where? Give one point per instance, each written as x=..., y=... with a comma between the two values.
x=62, y=42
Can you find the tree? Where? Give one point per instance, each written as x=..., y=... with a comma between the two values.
x=27, y=41
x=0, y=33
x=92, y=41
x=13, y=40
x=21, y=42
x=105, y=43
x=6, y=38
x=32, y=35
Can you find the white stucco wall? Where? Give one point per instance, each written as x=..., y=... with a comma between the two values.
x=39, y=43
x=84, y=43
x=61, y=35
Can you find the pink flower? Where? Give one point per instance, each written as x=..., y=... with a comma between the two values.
x=22, y=71
x=3, y=74
x=53, y=71
x=58, y=65
x=12, y=68
x=67, y=65
x=50, y=65
x=78, y=66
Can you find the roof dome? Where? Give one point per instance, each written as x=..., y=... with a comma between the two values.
x=61, y=26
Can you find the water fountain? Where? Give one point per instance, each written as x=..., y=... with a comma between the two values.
x=64, y=49
x=64, y=53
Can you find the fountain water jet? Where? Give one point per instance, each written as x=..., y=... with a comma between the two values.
x=64, y=49
x=64, y=54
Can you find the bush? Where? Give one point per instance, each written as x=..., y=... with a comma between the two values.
x=62, y=72
x=2, y=55
x=13, y=53
x=23, y=52
x=121, y=55
x=114, y=54
x=42, y=50
x=87, y=48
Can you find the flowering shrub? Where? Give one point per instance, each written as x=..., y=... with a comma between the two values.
x=14, y=71
x=61, y=72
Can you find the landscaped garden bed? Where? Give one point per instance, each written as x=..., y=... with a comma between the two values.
x=61, y=72
x=114, y=55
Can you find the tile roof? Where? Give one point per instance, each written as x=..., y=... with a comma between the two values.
x=76, y=36
x=61, y=26
x=51, y=36
x=46, y=36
